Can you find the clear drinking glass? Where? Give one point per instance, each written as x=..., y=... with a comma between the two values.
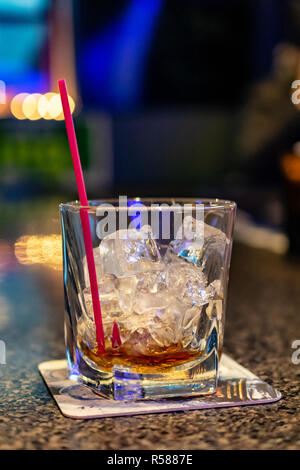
x=162, y=278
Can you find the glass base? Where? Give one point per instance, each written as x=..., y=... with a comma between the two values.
x=195, y=377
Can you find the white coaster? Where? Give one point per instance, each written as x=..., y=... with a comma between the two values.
x=237, y=386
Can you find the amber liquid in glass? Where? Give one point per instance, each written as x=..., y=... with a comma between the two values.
x=155, y=363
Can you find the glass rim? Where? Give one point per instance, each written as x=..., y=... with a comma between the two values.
x=208, y=203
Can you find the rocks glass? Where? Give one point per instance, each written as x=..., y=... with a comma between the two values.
x=162, y=270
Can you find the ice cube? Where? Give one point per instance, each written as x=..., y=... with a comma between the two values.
x=164, y=335
x=186, y=246
x=147, y=301
x=151, y=281
x=190, y=325
x=196, y=325
x=166, y=328
x=111, y=309
x=140, y=342
x=209, y=256
x=107, y=284
x=127, y=252
x=108, y=257
x=189, y=284
x=192, y=230
x=86, y=329
x=97, y=266
x=126, y=288
x=108, y=298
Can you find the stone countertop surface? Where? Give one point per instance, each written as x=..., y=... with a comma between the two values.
x=263, y=319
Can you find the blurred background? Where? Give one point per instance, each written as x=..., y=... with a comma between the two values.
x=169, y=98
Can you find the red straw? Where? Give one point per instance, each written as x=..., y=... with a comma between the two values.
x=115, y=337
x=86, y=230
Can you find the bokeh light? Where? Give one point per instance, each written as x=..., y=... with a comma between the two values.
x=36, y=106
x=16, y=105
x=60, y=116
x=30, y=106
x=39, y=249
x=43, y=105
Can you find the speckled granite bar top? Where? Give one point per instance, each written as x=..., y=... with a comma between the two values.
x=263, y=319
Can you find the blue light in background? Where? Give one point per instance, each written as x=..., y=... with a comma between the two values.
x=20, y=45
x=112, y=63
x=28, y=7
x=23, y=33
